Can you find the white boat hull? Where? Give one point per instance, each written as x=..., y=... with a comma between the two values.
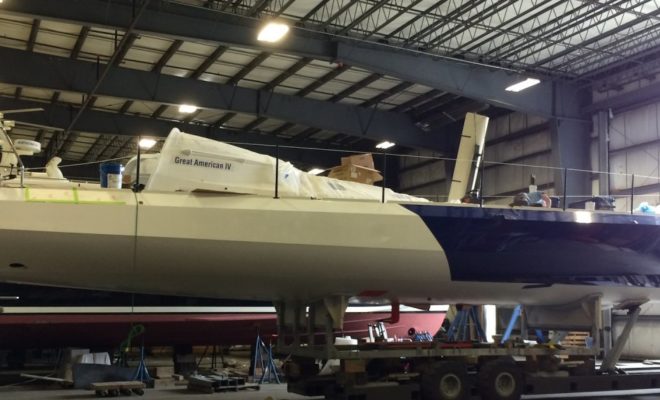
x=244, y=247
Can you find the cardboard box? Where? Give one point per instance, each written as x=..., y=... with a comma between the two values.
x=356, y=173
x=362, y=160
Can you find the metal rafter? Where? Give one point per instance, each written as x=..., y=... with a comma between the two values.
x=559, y=20
x=192, y=116
x=479, y=17
x=258, y=7
x=110, y=146
x=159, y=111
x=423, y=33
x=337, y=97
x=489, y=36
x=620, y=43
x=363, y=15
x=57, y=73
x=475, y=80
x=624, y=47
x=237, y=78
x=41, y=135
x=123, y=128
x=124, y=143
x=418, y=100
x=427, y=111
x=34, y=31
x=388, y=18
x=355, y=87
x=210, y=60
x=312, y=87
x=585, y=40
x=80, y=41
x=387, y=94
x=95, y=149
x=121, y=50
x=627, y=70
x=258, y=60
x=487, y=29
x=158, y=68
x=249, y=68
x=167, y=55
x=411, y=23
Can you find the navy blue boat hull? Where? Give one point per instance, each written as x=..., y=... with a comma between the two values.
x=546, y=247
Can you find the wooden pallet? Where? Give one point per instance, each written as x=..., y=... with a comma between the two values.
x=575, y=339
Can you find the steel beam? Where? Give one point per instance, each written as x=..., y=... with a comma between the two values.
x=57, y=117
x=176, y=21
x=62, y=74
x=625, y=101
x=477, y=81
x=570, y=143
x=602, y=128
x=464, y=79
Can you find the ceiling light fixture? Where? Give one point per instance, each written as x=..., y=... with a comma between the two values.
x=522, y=85
x=315, y=171
x=385, y=145
x=187, y=108
x=147, y=143
x=273, y=32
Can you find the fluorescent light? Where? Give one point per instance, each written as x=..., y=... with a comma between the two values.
x=315, y=171
x=385, y=145
x=147, y=143
x=187, y=109
x=273, y=32
x=517, y=87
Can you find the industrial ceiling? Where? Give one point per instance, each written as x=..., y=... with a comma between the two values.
x=353, y=72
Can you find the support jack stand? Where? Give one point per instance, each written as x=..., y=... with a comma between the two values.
x=263, y=359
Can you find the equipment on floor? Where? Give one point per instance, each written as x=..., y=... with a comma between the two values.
x=141, y=373
x=218, y=382
x=114, y=389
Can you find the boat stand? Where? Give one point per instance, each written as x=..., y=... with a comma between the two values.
x=263, y=359
x=459, y=330
x=613, y=356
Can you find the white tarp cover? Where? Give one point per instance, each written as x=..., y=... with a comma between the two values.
x=188, y=163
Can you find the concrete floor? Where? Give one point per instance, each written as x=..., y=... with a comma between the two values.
x=267, y=392
x=275, y=392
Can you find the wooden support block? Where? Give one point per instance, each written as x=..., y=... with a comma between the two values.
x=164, y=372
x=353, y=366
x=160, y=383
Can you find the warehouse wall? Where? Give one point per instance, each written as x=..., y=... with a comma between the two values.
x=643, y=343
x=633, y=136
x=634, y=148
x=423, y=173
x=523, y=142
x=514, y=138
